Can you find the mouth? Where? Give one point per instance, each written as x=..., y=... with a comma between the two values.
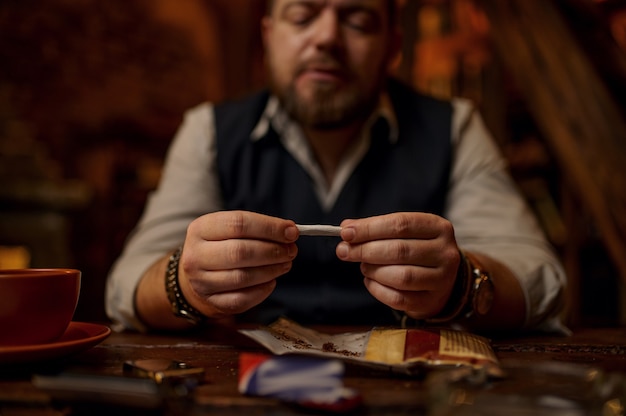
x=323, y=71
x=322, y=75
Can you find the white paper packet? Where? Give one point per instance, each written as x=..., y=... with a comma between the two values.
x=407, y=351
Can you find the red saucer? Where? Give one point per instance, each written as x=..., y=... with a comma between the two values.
x=79, y=336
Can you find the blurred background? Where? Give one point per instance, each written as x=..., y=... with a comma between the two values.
x=91, y=93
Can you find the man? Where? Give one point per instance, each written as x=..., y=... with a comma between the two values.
x=432, y=227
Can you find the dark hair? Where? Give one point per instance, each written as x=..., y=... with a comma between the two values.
x=392, y=10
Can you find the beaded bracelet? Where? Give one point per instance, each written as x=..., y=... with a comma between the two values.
x=180, y=306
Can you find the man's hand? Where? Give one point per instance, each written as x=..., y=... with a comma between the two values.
x=231, y=259
x=409, y=259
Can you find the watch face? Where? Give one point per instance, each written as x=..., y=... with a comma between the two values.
x=483, y=298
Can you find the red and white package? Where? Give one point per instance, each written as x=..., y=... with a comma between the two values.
x=409, y=351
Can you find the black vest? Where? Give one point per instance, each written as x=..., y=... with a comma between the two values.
x=261, y=176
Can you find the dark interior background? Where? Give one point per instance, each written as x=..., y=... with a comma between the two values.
x=91, y=93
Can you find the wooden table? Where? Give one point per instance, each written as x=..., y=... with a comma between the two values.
x=535, y=362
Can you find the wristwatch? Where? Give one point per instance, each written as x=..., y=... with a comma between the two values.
x=472, y=293
x=481, y=292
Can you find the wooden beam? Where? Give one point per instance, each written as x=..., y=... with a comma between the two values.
x=571, y=105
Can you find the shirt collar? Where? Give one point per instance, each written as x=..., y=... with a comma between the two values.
x=275, y=116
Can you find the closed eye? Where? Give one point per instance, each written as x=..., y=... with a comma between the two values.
x=363, y=20
x=299, y=14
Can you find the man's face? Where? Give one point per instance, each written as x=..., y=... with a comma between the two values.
x=327, y=59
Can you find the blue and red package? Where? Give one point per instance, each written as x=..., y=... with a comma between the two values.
x=306, y=381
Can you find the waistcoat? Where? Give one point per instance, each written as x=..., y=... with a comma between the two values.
x=261, y=176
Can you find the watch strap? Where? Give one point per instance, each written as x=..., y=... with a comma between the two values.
x=460, y=295
x=481, y=289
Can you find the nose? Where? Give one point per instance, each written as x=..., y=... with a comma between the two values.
x=327, y=31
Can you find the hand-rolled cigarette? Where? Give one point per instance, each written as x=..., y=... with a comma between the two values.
x=319, y=230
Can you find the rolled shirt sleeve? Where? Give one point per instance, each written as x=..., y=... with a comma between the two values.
x=491, y=216
x=189, y=188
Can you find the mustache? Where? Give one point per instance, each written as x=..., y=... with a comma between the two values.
x=323, y=62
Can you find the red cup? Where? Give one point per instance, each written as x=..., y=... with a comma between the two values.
x=36, y=305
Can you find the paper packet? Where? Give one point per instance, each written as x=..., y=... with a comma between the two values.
x=410, y=351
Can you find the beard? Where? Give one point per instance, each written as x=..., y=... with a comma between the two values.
x=329, y=107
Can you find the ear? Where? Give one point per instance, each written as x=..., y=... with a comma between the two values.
x=266, y=28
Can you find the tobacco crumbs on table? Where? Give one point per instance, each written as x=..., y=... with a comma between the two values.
x=330, y=347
